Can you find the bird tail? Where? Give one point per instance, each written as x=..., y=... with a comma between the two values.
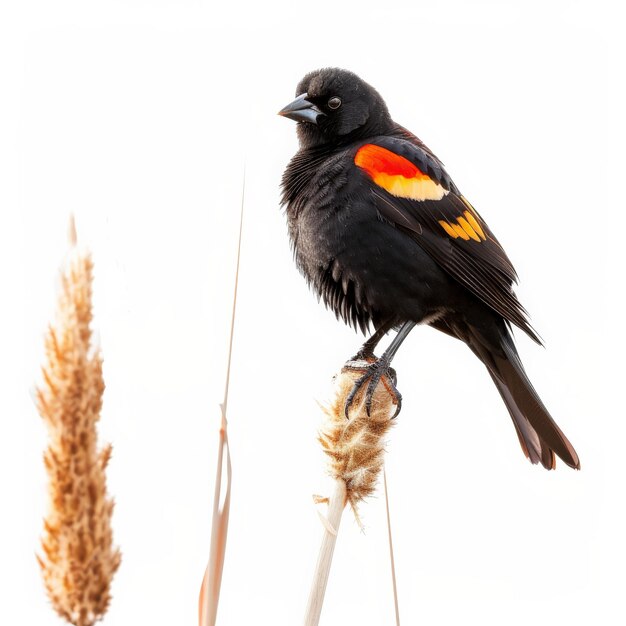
x=538, y=433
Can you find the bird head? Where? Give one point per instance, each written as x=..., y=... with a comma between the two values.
x=335, y=106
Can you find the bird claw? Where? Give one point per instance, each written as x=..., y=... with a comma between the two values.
x=374, y=370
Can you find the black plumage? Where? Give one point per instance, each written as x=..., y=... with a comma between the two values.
x=383, y=235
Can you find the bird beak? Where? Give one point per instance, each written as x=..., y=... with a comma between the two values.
x=301, y=110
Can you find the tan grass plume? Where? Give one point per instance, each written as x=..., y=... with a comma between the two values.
x=355, y=450
x=78, y=560
x=356, y=447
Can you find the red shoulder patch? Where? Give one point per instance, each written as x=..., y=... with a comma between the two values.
x=377, y=160
x=396, y=174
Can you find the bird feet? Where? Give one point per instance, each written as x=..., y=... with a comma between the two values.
x=374, y=371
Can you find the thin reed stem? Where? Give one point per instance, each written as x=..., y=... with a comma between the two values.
x=336, y=506
x=391, y=557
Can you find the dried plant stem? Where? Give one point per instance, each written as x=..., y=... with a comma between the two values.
x=391, y=558
x=336, y=506
x=355, y=449
x=211, y=583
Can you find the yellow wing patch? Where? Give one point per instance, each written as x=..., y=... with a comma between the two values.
x=417, y=188
x=466, y=227
x=475, y=225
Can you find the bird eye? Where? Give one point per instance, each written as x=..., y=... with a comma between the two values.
x=334, y=103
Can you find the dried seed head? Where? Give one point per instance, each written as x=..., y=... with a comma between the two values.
x=79, y=560
x=355, y=447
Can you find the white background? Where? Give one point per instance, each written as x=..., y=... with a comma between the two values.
x=137, y=117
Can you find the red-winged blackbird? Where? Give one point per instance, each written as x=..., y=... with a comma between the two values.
x=385, y=237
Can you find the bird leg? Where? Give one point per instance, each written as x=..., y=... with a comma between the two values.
x=366, y=353
x=376, y=370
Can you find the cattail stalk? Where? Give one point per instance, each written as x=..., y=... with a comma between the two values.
x=355, y=450
x=78, y=560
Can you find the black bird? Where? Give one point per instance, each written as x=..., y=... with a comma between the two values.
x=386, y=239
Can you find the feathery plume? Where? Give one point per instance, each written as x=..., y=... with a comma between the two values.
x=355, y=450
x=356, y=447
x=78, y=560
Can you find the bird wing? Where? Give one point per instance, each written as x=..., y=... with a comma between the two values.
x=413, y=192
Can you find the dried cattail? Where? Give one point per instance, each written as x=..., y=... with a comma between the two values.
x=355, y=448
x=78, y=560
